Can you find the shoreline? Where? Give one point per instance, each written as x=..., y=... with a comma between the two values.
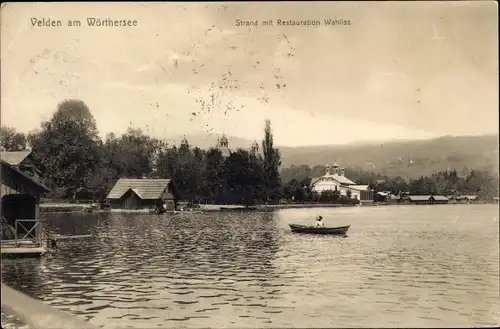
x=72, y=208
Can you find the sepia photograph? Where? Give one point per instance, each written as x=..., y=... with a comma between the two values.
x=320, y=164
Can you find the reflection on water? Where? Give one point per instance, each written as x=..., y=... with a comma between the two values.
x=403, y=266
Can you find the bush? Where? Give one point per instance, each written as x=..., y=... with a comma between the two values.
x=345, y=200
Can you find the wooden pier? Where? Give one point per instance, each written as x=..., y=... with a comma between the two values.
x=26, y=241
x=9, y=249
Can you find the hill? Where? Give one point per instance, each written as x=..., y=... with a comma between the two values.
x=409, y=159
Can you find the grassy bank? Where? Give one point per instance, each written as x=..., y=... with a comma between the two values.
x=63, y=207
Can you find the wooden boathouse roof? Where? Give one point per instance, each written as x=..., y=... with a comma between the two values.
x=14, y=158
x=6, y=168
x=146, y=189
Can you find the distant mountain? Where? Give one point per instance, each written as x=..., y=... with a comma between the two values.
x=404, y=158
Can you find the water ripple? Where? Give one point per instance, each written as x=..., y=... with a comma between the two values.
x=411, y=266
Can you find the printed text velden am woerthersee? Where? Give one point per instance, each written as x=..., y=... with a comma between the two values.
x=89, y=22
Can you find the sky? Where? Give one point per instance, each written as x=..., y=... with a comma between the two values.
x=399, y=71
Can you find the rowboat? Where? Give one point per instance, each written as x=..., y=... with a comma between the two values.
x=319, y=230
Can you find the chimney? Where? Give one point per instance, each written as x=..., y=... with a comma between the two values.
x=342, y=172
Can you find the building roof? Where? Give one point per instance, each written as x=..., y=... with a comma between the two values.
x=14, y=158
x=146, y=189
x=314, y=180
x=338, y=178
x=440, y=198
x=359, y=187
x=427, y=197
x=419, y=197
x=136, y=191
x=20, y=172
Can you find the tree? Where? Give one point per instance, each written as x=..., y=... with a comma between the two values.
x=67, y=146
x=213, y=173
x=293, y=190
x=329, y=196
x=318, y=170
x=133, y=154
x=198, y=168
x=258, y=176
x=481, y=183
x=239, y=177
x=12, y=140
x=349, y=194
x=272, y=162
x=295, y=172
x=187, y=176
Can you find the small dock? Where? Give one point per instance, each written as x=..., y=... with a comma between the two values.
x=13, y=249
x=22, y=252
x=25, y=240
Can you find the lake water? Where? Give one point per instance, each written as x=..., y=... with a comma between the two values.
x=399, y=266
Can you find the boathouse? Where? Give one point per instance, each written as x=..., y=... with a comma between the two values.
x=467, y=198
x=23, y=160
x=425, y=199
x=142, y=194
x=20, y=193
x=335, y=179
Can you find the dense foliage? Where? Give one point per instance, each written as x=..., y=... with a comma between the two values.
x=12, y=140
x=72, y=157
x=68, y=150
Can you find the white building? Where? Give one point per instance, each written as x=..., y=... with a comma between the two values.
x=335, y=179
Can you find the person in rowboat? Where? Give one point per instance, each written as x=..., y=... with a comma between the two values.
x=319, y=221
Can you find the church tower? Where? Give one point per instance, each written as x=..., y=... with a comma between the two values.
x=224, y=146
